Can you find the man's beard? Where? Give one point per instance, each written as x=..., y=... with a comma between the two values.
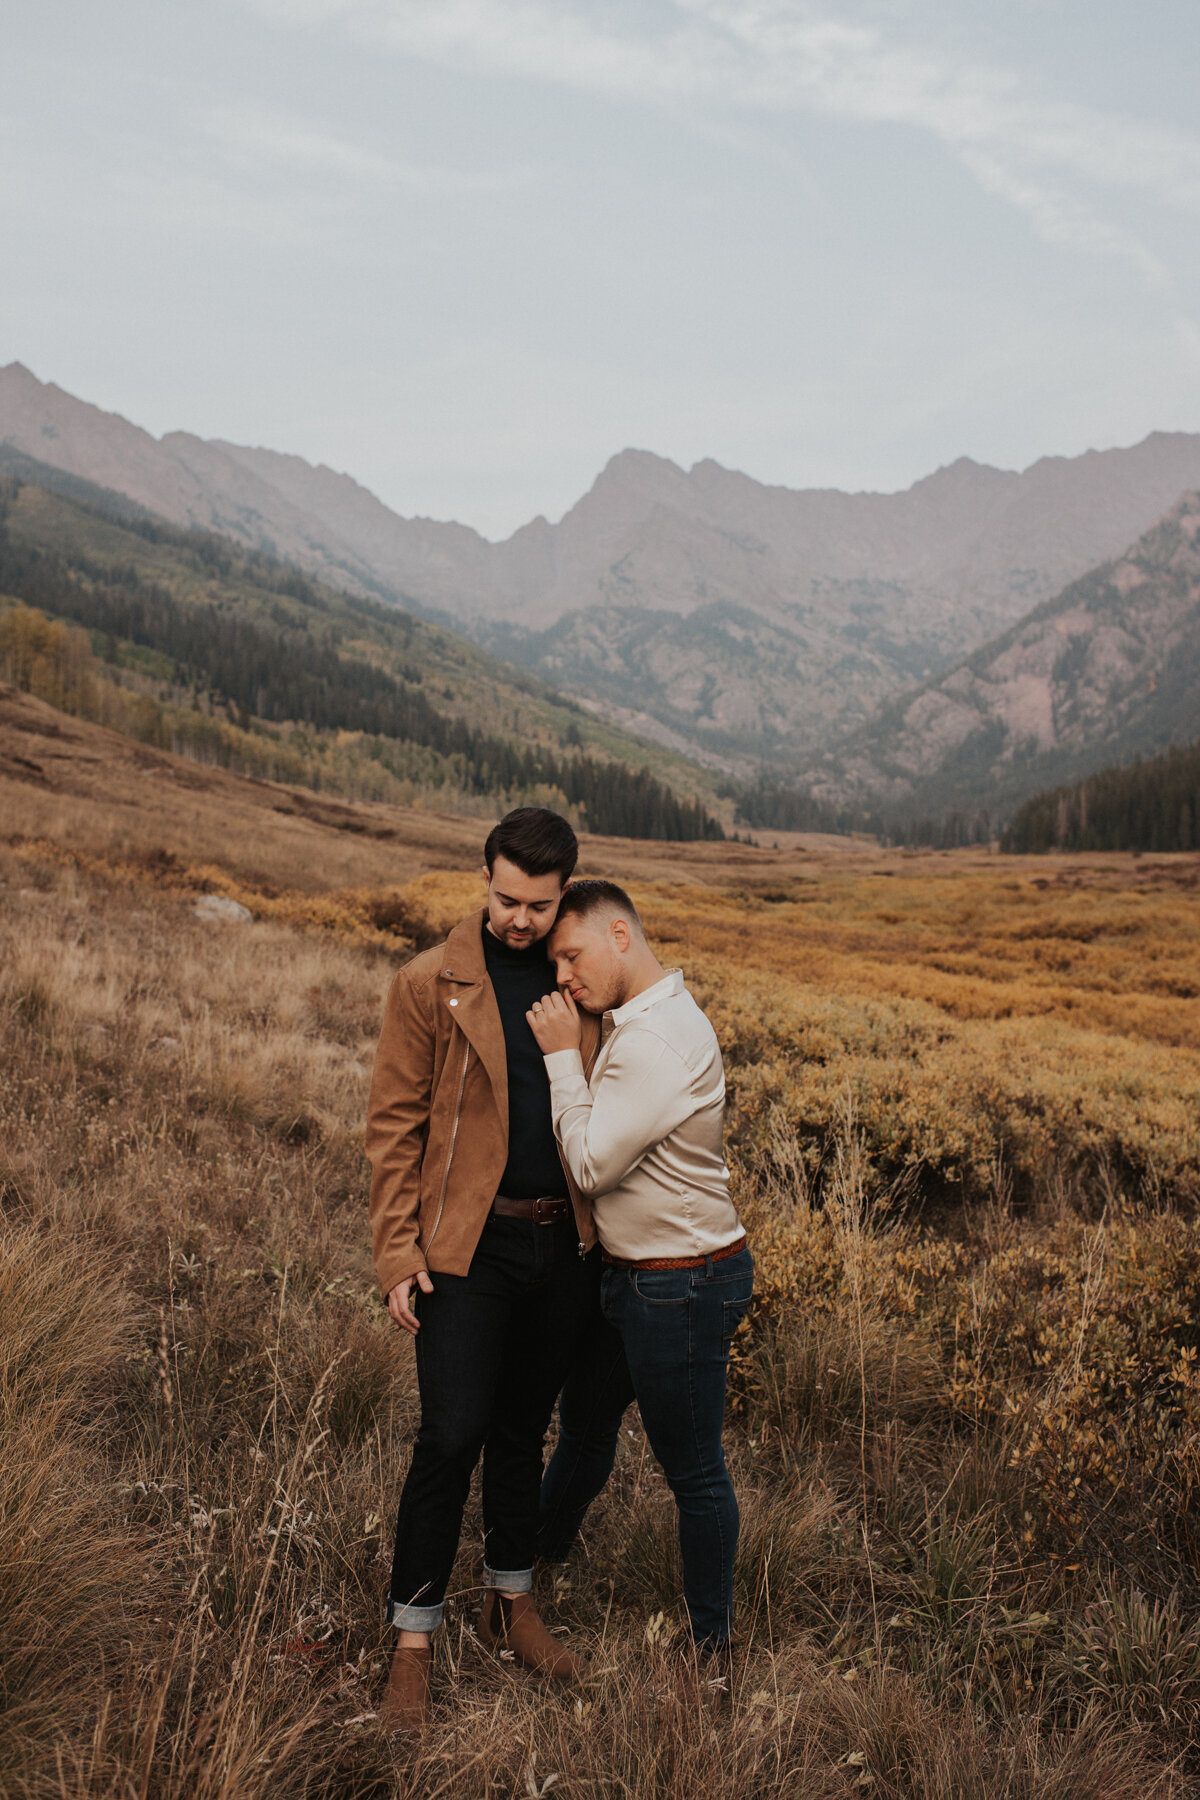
x=519, y=940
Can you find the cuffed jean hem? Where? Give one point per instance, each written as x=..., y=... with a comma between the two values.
x=509, y=1581
x=415, y=1618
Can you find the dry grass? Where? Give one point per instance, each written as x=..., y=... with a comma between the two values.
x=963, y=1435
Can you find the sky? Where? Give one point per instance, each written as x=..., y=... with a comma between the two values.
x=467, y=250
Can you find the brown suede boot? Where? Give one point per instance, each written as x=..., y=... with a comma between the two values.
x=512, y=1624
x=405, y=1703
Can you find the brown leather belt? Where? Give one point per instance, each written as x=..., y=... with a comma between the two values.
x=547, y=1209
x=677, y=1262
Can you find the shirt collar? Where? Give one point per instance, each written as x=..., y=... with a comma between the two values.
x=670, y=985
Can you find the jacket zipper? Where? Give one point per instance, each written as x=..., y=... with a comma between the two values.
x=590, y=1065
x=570, y=1189
x=462, y=1082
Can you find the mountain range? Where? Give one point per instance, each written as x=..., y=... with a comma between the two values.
x=1107, y=670
x=831, y=636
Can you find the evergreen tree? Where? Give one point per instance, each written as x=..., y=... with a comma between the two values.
x=1152, y=805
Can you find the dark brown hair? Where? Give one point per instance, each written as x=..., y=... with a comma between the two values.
x=538, y=841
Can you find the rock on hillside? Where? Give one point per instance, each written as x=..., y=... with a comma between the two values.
x=1107, y=670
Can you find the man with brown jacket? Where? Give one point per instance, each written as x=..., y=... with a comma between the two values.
x=480, y=1239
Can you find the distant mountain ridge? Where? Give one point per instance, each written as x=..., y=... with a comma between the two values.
x=731, y=619
x=1107, y=670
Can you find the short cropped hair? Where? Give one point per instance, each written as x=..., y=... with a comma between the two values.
x=585, y=898
x=538, y=841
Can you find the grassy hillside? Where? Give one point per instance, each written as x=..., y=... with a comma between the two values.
x=234, y=659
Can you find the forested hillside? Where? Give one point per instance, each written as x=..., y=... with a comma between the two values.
x=236, y=659
x=1153, y=805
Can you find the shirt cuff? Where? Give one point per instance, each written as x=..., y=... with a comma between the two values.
x=560, y=1064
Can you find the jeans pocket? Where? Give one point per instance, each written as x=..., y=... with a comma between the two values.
x=734, y=1311
x=662, y=1287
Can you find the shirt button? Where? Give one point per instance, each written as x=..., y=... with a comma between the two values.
x=454, y=1003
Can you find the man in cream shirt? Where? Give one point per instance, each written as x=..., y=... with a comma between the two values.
x=644, y=1140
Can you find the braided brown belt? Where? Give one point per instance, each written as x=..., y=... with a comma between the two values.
x=677, y=1262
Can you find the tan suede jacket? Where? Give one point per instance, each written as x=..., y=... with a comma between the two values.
x=437, y=1120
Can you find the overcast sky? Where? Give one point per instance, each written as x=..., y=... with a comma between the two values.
x=468, y=249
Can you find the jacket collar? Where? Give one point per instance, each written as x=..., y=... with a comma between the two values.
x=462, y=953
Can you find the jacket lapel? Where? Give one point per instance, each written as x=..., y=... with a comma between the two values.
x=476, y=1012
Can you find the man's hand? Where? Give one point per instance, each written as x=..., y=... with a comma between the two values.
x=554, y=1022
x=397, y=1301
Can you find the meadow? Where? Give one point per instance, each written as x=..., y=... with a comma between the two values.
x=964, y=1411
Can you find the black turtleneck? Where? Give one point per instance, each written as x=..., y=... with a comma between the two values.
x=519, y=977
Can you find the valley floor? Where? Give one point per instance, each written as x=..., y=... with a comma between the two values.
x=965, y=1411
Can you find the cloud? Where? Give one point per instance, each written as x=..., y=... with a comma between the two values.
x=855, y=73
x=278, y=140
x=1060, y=164
x=629, y=56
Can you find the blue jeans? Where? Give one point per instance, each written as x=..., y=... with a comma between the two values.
x=663, y=1338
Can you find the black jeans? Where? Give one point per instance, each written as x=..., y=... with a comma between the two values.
x=591, y=1407
x=493, y=1351
x=664, y=1338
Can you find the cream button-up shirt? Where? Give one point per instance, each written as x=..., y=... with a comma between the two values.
x=644, y=1139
